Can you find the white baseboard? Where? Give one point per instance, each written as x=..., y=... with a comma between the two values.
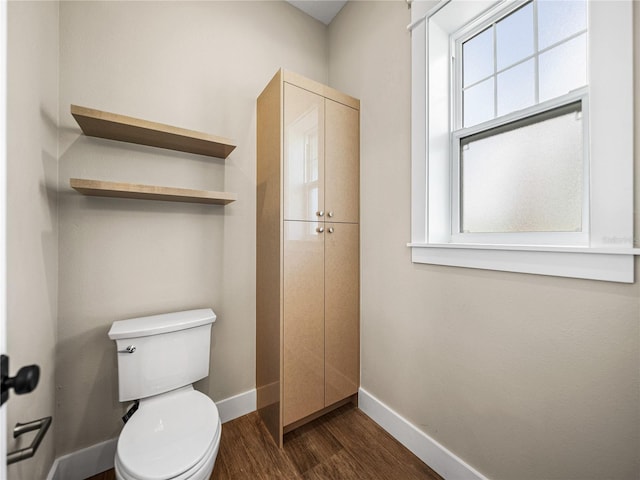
x=84, y=463
x=444, y=462
x=97, y=458
x=237, y=406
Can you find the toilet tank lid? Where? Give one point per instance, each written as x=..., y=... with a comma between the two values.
x=163, y=323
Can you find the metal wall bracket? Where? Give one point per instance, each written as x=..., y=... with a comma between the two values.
x=42, y=425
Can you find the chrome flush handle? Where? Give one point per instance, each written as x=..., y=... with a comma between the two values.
x=129, y=349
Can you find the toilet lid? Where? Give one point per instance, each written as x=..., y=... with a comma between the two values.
x=168, y=435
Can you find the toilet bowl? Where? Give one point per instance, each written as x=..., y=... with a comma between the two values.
x=175, y=432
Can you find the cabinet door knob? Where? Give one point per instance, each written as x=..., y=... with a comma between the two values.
x=320, y=229
x=320, y=213
x=330, y=214
x=330, y=229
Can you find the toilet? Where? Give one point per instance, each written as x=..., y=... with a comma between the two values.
x=175, y=432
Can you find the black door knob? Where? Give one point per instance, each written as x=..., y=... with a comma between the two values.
x=24, y=382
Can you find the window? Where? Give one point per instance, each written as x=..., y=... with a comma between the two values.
x=525, y=57
x=522, y=148
x=524, y=176
x=520, y=158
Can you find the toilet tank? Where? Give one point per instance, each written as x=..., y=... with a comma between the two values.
x=160, y=353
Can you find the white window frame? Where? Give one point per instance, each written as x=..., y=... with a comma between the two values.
x=608, y=252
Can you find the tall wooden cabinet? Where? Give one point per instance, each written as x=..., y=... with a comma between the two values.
x=308, y=272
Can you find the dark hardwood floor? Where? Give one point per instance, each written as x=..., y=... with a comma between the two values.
x=342, y=445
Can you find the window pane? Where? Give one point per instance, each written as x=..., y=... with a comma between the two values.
x=563, y=68
x=477, y=54
x=514, y=36
x=516, y=88
x=525, y=177
x=478, y=103
x=559, y=19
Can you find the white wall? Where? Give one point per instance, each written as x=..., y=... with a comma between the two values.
x=198, y=65
x=521, y=376
x=32, y=219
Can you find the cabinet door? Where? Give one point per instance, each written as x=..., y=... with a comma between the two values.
x=303, y=320
x=303, y=154
x=342, y=311
x=342, y=162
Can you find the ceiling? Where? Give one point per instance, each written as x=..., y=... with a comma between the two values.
x=323, y=10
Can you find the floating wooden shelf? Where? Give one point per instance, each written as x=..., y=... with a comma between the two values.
x=150, y=192
x=96, y=123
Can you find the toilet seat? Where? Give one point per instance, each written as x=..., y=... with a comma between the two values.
x=174, y=436
x=201, y=471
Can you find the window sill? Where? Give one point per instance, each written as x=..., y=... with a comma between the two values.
x=608, y=264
